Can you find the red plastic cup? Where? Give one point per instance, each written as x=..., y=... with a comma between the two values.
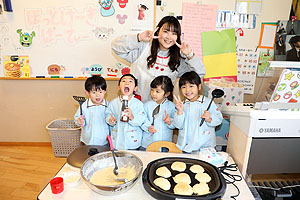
x=57, y=185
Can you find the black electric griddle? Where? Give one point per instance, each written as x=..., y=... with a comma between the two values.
x=217, y=184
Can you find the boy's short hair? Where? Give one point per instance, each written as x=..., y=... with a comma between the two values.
x=190, y=77
x=95, y=82
x=135, y=80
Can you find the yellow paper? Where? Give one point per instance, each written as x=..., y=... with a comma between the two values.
x=220, y=65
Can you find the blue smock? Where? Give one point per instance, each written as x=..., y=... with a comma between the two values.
x=164, y=131
x=126, y=135
x=192, y=137
x=95, y=129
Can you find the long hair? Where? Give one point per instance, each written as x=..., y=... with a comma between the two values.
x=174, y=51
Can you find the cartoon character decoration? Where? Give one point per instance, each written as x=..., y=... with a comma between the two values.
x=25, y=39
x=122, y=3
x=107, y=9
x=121, y=18
x=141, y=9
x=103, y=33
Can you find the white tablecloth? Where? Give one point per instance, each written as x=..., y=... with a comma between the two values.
x=82, y=191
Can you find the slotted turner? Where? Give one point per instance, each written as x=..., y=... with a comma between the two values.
x=80, y=100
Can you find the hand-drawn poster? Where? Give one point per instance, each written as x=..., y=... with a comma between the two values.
x=247, y=60
x=71, y=38
x=197, y=19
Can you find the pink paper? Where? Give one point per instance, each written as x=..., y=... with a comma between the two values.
x=197, y=19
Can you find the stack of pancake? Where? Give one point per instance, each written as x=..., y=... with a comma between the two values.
x=12, y=70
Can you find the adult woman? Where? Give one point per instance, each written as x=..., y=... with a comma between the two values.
x=160, y=52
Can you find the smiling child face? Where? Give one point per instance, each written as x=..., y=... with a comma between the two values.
x=127, y=86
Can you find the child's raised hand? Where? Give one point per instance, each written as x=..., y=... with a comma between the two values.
x=167, y=119
x=148, y=35
x=112, y=119
x=206, y=116
x=178, y=104
x=152, y=130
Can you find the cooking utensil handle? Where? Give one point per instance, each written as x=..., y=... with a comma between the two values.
x=208, y=107
x=152, y=122
x=81, y=117
x=110, y=142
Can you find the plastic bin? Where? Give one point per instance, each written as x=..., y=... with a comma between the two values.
x=65, y=136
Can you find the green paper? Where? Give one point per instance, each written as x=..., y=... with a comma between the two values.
x=215, y=42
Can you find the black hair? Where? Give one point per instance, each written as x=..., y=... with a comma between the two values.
x=166, y=85
x=96, y=83
x=174, y=51
x=135, y=80
x=294, y=39
x=189, y=77
x=143, y=6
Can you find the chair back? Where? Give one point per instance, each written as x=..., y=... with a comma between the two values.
x=156, y=147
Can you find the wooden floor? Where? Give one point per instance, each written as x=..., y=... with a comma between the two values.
x=25, y=170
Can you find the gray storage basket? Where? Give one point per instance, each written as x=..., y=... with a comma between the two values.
x=65, y=136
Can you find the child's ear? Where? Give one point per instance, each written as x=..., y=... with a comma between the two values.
x=199, y=87
x=135, y=88
x=167, y=94
x=119, y=87
x=86, y=93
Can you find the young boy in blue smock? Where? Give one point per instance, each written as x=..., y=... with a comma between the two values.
x=191, y=136
x=126, y=135
x=94, y=127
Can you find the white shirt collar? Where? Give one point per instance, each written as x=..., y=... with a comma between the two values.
x=91, y=104
x=200, y=99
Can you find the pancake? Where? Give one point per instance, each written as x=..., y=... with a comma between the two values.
x=163, y=171
x=203, y=177
x=201, y=189
x=162, y=183
x=178, y=166
x=196, y=169
x=183, y=189
x=182, y=178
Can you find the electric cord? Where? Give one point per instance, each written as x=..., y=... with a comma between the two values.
x=272, y=188
x=231, y=178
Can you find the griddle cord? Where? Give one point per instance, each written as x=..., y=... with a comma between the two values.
x=231, y=178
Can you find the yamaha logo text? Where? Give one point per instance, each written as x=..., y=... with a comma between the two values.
x=270, y=130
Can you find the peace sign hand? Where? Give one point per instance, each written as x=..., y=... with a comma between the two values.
x=178, y=104
x=147, y=35
x=185, y=48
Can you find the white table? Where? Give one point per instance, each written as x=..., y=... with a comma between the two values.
x=82, y=191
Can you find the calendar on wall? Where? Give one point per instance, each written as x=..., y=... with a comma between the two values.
x=247, y=60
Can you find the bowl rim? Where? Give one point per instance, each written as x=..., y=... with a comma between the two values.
x=114, y=186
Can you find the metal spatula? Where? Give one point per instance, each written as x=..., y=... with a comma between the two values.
x=155, y=112
x=80, y=100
